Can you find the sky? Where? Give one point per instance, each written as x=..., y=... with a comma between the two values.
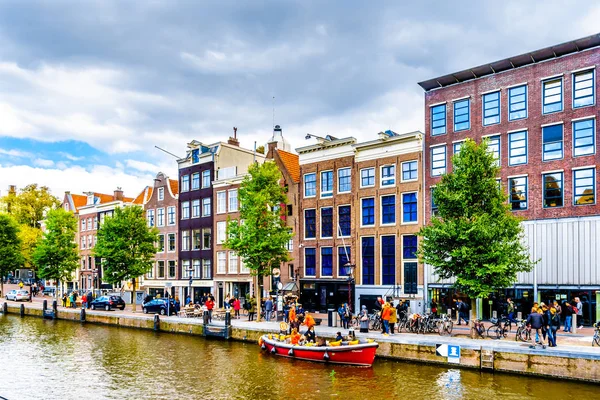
x=88, y=89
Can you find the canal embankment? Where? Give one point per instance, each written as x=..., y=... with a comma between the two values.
x=571, y=362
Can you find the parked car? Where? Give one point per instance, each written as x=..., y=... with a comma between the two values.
x=108, y=303
x=18, y=294
x=49, y=291
x=159, y=306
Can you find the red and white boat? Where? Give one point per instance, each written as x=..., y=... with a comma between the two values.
x=362, y=354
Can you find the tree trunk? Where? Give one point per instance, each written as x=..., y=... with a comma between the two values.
x=258, y=297
x=133, y=295
x=1, y=286
x=472, y=316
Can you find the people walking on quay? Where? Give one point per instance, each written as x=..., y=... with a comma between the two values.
x=364, y=320
x=463, y=311
x=510, y=309
x=554, y=326
x=545, y=311
x=286, y=312
x=89, y=298
x=344, y=314
x=268, y=308
x=568, y=317
x=227, y=304
x=236, y=308
x=379, y=303
x=393, y=318
x=64, y=300
x=210, y=304
x=84, y=301
x=558, y=309
x=579, y=307
x=252, y=309
x=536, y=321
x=385, y=318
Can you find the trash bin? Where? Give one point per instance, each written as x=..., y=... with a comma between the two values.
x=331, y=317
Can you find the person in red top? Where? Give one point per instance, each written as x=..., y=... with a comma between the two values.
x=210, y=304
x=236, y=307
x=385, y=317
x=295, y=337
x=309, y=321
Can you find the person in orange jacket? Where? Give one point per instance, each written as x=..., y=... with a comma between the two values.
x=385, y=317
x=295, y=337
x=309, y=321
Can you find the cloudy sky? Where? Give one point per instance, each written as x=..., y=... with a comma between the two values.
x=87, y=89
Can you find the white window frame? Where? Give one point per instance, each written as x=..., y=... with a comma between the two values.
x=161, y=193
x=338, y=231
x=304, y=223
x=316, y=264
x=151, y=217
x=196, y=205
x=159, y=222
x=185, y=205
x=329, y=193
x=381, y=210
x=169, y=222
x=374, y=211
x=205, y=175
x=192, y=181
x=185, y=240
x=185, y=178
x=158, y=249
x=402, y=180
x=349, y=176
x=221, y=262
x=221, y=232
x=381, y=178
x=230, y=198
x=204, y=205
x=222, y=202
x=321, y=223
x=304, y=185
x=169, y=235
x=374, y=177
x=232, y=262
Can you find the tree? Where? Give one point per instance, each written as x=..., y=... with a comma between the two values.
x=55, y=255
x=10, y=247
x=260, y=237
x=474, y=238
x=29, y=237
x=28, y=206
x=126, y=246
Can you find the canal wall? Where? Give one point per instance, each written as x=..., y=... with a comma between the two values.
x=568, y=362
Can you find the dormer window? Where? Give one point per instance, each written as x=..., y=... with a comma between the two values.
x=90, y=199
x=161, y=194
x=195, y=156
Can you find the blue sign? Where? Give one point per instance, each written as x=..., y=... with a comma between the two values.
x=453, y=354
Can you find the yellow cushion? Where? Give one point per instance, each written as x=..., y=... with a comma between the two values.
x=270, y=336
x=335, y=343
x=370, y=340
x=353, y=342
x=281, y=337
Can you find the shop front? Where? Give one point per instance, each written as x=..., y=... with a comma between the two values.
x=321, y=295
x=589, y=297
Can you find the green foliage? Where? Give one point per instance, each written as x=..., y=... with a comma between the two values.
x=10, y=245
x=29, y=238
x=126, y=244
x=262, y=238
x=29, y=206
x=474, y=239
x=55, y=255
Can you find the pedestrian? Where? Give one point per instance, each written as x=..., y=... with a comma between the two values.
x=379, y=303
x=90, y=298
x=72, y=299
x=393, y=318
x=64, y=300
x=536, y=321
x=84, y=301
x=364, y=320
x=385, y=318
x=343, y=313
x=268, y=308
x=433, y=305
x=510, y=309
x=236, y=308
x=579, y=307
x=546, y=315
x=252, y=309
x=558, y=309
x=286, y=312
x=210, y=304
x=188, y=300
x=554, y=326
x=568, y=316
x=463, y=310
x=21, y=285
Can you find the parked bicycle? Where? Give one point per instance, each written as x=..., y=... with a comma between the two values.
x=478, y=329
x=523, y=331
x=500, y=328
x=444, y=325
x=375, y=320
x=596, y=338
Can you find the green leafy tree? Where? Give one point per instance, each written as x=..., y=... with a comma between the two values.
x=10, y=247
x=30, y=204
x=261, y=239
x=55, y=255
x=127, y=247
x=29, y=238
x=474, y=238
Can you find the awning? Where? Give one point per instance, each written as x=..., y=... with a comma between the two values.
x=290, y=287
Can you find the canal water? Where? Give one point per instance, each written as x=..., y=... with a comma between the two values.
x=41, y=359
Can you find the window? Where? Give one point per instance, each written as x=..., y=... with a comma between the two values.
x=196, y=239
x=326, y=183
x=233, y=262
x=327, y=222
x=518, y=193
x=310, y=185
x=206, y=238
x=368, y=260
x=195, y=156
x=160, y=217
x=553, y=190
x=388, y=175
x=461, y=115
x=185, y=183
x=410, y=278
x=171, y=215
x=434, y=207
x=456, y=146
x=221, y=202
x=150, y=273
x=343, y=259
x=310, y=229
x=150, y=217
x=233, y=200
x=584, y=186
x=517, y=148
x=196, y=208
x=206, y=207
x=290, y=243
x=388, y=260
x=552, y=96
x=221, y=231
x=583, y=89
x=368, y=211
x=409, y=245
x=221, y=262
x=438, y=120
x=95, y=226
x=409, y=171
x=83, y=224
x=344, y=180
x=172, y=269
x=161, y=244
x=517, y=103
x=172, y=244
x=185, y=210
x=344, y=220
x=409, y=207
x=160, y=266
x=326, y=261
x=310, y=262
x=583, y=137
x=494, y=147
x=185, y=240
x=206, y=179
x=185, y=266
x=552, y=137
x=83, y=242
x=161, y=193
x=196, y=181
x=491, y=108
x=206, y=269
x=438, y=160
x=91, y=240
x=196, y=265
x=89, y=223
x=388, y=209
x=367, y=177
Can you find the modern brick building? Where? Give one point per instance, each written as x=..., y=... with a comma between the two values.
x=539, y=111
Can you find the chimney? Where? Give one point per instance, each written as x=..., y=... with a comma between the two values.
x=118, y=194
x=233, y=140
x=12, y=189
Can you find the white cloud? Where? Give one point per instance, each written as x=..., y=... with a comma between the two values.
x=69, y=156
x=16, y=153
x=142, y=166
x=40, y=162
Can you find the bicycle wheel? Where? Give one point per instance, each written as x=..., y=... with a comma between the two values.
x=596, y=340
x=449, y=326
x=493, y=332
x=524, y=335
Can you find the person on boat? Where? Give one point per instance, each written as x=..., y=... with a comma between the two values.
x=364, y=320
x=299, y=310
x=310, y=335
x=339, y=337
x=309, y=321
x=321, y=342
x=295, y=337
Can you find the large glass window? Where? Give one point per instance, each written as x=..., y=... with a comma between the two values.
x=206, y=207
x=185, y=210
x=388, y=209
x=345, y=220
x=388, y=260
x=221, y=202
x=343, y=259
x=206, y=269
x=517, y=103
x=494, y=147
x=461, y=115
x=409, y=207
x=171, y=215
x=326, y=183
x=326, y=261
x=327, y=222
x=410, y=278
x=196, y=239
x=553, y=190
x=409, y=247
x=233, y=200
x=456, y=146
x=368, y=211
x=206, y=238
x=518, y=192
x=552, y=95
x=584, y=186
x=196, y=181
x=434, y=206
x=388, y=175
x=221, y=232
x=438, y=120
x=491, y=108
x=517, y=148
x=344, y=180
x=367, y=177
x=438, y=160
x=583, y=137
x=368, y=260
x=410, y=171
x=221, y=262
x=160, y=217
x=552, y=137
x=172, y=242
x=206, y=178
x=233, y=263
x=196, y=208
x=310, y=261
x=583, y=89
x=185, y=183
x=150, y=217
x=310, y=185
x=310, y=229
x=185, y=240
x=161, y=244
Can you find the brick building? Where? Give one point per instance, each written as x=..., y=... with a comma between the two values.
x=539, y=111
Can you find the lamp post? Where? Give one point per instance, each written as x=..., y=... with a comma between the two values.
x=349, y=270
x=190, y=270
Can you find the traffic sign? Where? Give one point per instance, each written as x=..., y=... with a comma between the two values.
x=441, y=350
x=452, y=352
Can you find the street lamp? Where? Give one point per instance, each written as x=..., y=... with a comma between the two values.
x=190, y=270
x=349, y=268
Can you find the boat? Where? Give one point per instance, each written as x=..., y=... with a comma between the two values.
x=361, y=354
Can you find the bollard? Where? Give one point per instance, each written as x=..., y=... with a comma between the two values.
x=22, y=310
x=82, y=316
x=494, y=314
x=5, y=308
x=574, y=323
x=156, y=323
x=44, y=306
x=519, y=315
x=205, y=317
x=227, y=317
x=54, y=307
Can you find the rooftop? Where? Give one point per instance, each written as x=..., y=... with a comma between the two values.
x=292, y=164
